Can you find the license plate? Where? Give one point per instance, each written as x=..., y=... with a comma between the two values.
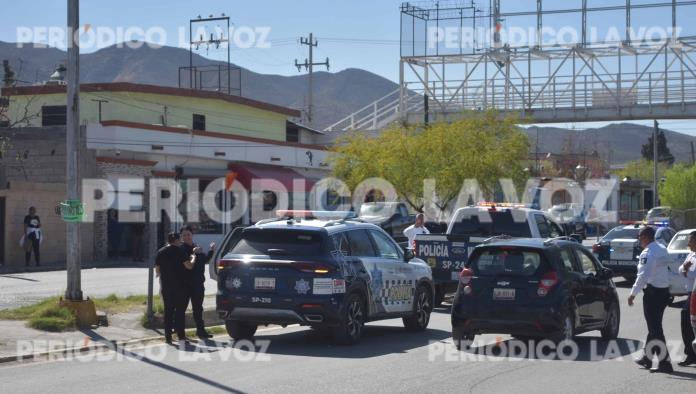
x=264, y=283
x=503, y=294
x=620, y=262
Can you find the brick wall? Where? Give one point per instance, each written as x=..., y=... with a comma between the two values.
x=19, y=196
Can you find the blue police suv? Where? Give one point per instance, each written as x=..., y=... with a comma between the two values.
x=331, y=274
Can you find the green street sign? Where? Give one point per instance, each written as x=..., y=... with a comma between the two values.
x=72, y=211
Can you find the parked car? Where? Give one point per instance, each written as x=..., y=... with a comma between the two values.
x=533, y=288
x=447, y=253
x=392, y=217
x=678, y=249
x=619, y=248
x=331, y=274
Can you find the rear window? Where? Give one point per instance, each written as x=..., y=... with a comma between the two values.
x=279, y=242
x=500, y=223
x=516, y=262
x=680, y=242
x=620, y=233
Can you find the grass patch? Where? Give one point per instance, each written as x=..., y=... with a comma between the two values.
x=48, y=316
x=214, y=330
x=55, y=319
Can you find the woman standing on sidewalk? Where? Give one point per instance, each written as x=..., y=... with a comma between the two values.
x=32, y=237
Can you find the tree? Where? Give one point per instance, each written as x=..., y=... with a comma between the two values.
x=479, y=146
x=9, y=79
x=663, y=153
x=677, y=191
x=642, y=170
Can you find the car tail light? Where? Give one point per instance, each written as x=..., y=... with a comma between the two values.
x=465, y=279
x=222, y=264
x=595, y=248
x=547, y=283
x=312, y=268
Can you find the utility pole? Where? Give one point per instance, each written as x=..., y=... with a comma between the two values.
x=655, y=132
x=693, y=154
x=309, y=65
x=100, y=107
x=72, y=132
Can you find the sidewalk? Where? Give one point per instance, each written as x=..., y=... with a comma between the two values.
x=18, y=341
x=60, y=266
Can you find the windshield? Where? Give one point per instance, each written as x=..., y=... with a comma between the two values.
x=621, y=233
x=377, y=209
x=680, y=242
x=280, y=242
x=504, y=261
x=500, y=223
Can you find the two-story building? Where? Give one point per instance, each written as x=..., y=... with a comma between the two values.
x=142, y=132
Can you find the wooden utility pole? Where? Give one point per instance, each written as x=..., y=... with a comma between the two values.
x=72, y=132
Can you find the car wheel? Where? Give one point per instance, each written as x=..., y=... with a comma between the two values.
x=352, y=321
x=422, y=306
x=238, y=330
x=462, y=339
x=611, y=325
x=439, y=297
x=567, y=330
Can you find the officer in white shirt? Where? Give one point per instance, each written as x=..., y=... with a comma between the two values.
x=653, y=280
x=415, y=229
x=688, y=269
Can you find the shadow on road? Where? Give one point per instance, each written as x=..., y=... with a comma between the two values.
x=376, y=341
x=10, y=276
x=588, y=349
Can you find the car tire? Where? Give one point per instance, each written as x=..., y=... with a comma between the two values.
x=422, y=307
x=462, y=339
x=611, y=325
x=567, y=330
x=438, y=297
x=238, y=330
x=353, y=314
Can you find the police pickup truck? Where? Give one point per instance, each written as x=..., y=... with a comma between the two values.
x=470, y=226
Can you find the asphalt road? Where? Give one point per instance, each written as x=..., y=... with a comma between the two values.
x=388, y=359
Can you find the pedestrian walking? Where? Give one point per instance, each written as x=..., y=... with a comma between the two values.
x=32, y=237
x=171, y=265
x=653, y=280
x=196, y=278
x=688, y=269
x=415, y=229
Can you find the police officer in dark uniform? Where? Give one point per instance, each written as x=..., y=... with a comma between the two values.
x=653, y=280
x=172, y=265
x=196, y=278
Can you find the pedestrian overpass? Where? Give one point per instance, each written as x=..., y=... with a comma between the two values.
x=580, y=82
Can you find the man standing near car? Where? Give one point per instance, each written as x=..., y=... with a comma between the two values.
x=171, y=265
x=688, y=269
x=653, y=280
x=415, y=229
x=196, y=278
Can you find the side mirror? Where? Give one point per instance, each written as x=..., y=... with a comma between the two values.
x=408, y=255
x=605, y=274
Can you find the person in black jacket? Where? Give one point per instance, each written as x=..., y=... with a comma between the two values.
x=196, y=278
x=173, y=265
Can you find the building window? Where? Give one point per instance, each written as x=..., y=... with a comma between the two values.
x=53, y=115
x=198, y=122
x=292, y=133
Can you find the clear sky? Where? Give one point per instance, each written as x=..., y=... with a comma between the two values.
x=353, y=34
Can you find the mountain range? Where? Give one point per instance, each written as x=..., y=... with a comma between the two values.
x=336, y=94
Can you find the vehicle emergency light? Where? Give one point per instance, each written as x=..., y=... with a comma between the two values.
x=308, y=214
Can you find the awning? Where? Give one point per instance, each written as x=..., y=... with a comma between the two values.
x=268, y=175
